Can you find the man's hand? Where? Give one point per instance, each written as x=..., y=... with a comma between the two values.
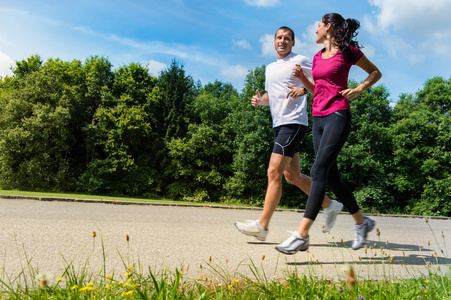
x=295, y=92
x=256, y=99
x=297, y=72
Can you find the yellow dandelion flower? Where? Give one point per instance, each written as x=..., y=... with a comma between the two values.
x=129, y=280
x=74, y=287
x=91, y=284
x=108, y=276
x=126, y=274
x=129, y=293
x=59, y=279
x=86, y=288
x=131, y=268
x=109, y=285
x=235, y=281
x=126, y=284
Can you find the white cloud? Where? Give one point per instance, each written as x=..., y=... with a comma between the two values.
x=369, y=51
x=155, y=67
x=5, y=65
x=262, y=3
x=267, y=42
x=234, y=72
x=418, y=16
x=309, y=47
x=411, y=31
x=243, y=44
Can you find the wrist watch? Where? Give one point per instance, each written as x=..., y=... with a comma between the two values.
x=305, y=90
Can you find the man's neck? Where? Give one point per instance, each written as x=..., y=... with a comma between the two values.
x=279, y=56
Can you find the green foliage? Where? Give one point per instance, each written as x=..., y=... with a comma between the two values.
x=421, y=139
x=83, y=126
x=38, y=127
x=253, y=135
x=200, y=162
x=178, y=91
x=121, y=139
x=365, y=160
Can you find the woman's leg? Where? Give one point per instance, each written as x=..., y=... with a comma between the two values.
x=329, y=135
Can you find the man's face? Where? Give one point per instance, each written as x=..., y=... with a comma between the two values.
x=283, y=43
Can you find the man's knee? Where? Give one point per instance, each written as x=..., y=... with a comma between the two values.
x=274, y=173
x=291, y=177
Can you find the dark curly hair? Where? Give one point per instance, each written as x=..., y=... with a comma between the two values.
x=343, y=32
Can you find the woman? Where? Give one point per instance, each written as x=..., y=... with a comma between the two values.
x=332, y=123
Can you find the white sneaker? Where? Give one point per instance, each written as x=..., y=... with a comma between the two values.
x=361, y=233
x=293, y=244
x=330, y=215
x=252, y=228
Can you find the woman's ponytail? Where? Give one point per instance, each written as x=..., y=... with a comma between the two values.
x=343, y=33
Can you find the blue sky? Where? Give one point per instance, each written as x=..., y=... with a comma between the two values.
x=409, y=40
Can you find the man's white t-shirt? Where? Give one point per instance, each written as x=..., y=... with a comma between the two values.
x=278, y=77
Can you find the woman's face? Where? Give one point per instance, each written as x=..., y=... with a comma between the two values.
x=321, y=32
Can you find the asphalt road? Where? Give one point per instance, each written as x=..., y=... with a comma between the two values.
x=202, y=241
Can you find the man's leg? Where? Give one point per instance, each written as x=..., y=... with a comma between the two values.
x=277, y=165
x=294, y=176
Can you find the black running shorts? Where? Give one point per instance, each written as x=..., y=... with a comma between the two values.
x=287, y=139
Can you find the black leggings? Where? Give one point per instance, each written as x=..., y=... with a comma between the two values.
x=329, y=135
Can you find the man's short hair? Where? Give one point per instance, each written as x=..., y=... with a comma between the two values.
x=285, y=28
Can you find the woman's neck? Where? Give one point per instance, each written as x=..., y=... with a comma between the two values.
x=330, y=48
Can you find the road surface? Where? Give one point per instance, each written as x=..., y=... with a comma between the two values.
x=203, y=241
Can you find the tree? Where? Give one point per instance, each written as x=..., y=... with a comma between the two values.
x=365, y=159
x=178, y=91
x=422, y=146
x=37, y=125
x=121, y=139
x=252, y=128
x=200, y=161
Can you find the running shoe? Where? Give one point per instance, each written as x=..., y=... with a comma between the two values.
x=293, y=244
x=361, y=233
x=252, y=228
x=330, y=215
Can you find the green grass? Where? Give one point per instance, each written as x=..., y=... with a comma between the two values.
x=139, y=282
x=105, y=197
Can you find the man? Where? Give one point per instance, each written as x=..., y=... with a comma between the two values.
x=287, y=99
